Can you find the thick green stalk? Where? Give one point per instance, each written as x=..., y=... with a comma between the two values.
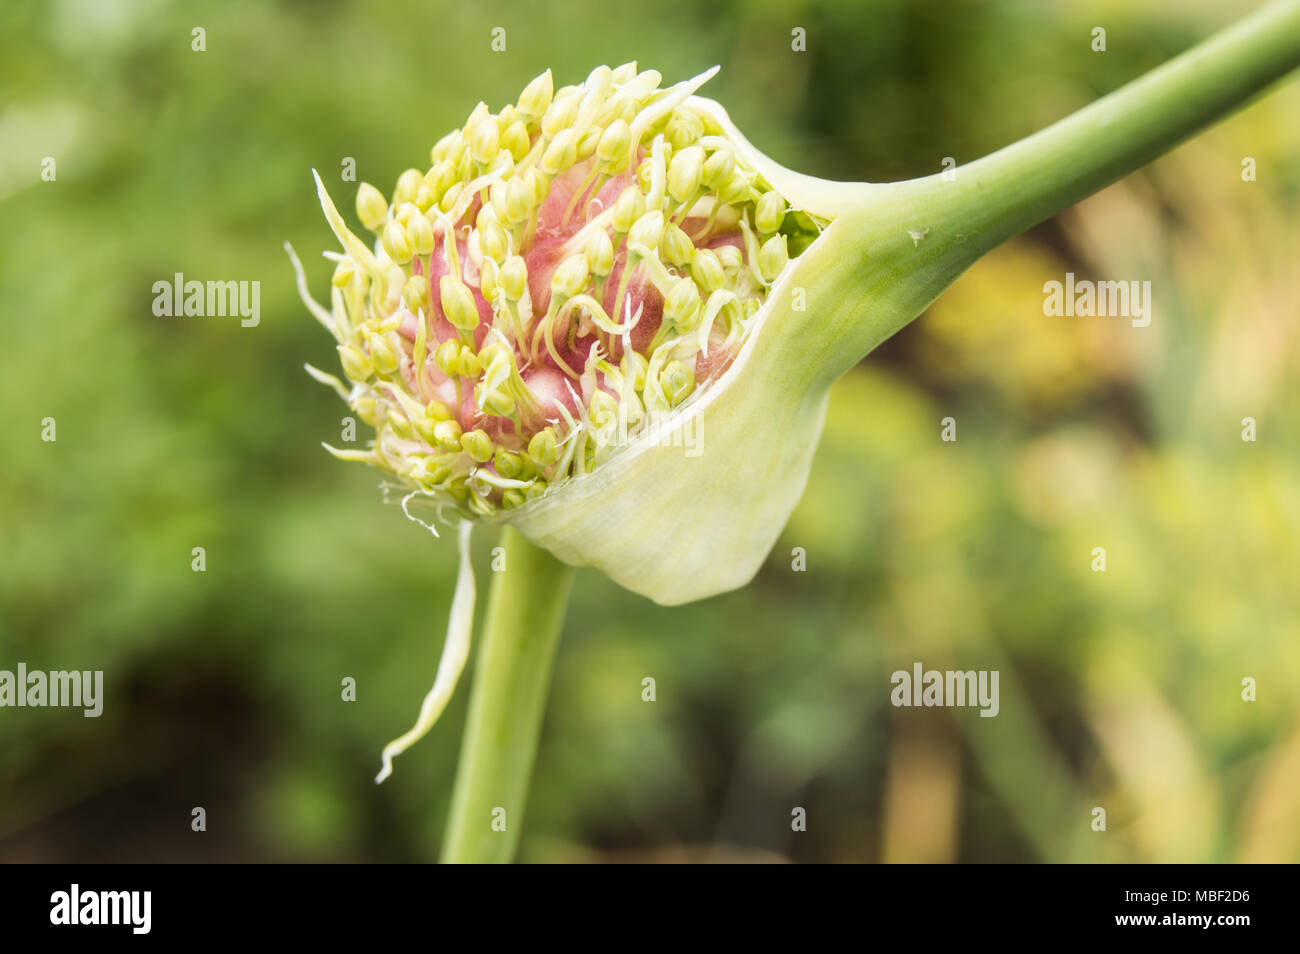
x=912, y=239
x=516, y=653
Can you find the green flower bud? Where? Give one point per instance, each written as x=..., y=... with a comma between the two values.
x=494, y=402
x=682, y=305
x=772, y=257
x=372, y=207
x=629, y=207
x=458, y=303
x=485, y=141
x=444, y=146
x=706, y=269
x=419, y=234
x=468, y=364
x=478, y=445
x=563, y=111
x=386, y=352
x=514, y=277
x=719, y=167
x=600, y=254
x=344, y=272
x=536, y=98
x=560, y=154
x=647, y=230
x=447, y=357
x=356, y=365
x=507, y=463
x=396, y=243
x=677, y=382
x=407, y=183
x=614, y=144
x=543, y=448
x=571, y=277
x=447, y=434
x=677, y=246
x=770, y=212
x=415, y=293
x=515, y=140
x=493, y=242
x=684, y=129
x=512, y=498
x=684, y=173
x=489, y=279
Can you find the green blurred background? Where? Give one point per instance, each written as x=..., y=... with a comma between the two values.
x=1119, y=689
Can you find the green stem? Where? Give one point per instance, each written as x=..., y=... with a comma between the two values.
x=912, y=239
x=513, y=674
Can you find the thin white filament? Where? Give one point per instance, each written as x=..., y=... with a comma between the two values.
x=454, y=653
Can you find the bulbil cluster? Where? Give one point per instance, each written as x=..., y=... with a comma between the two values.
x=564, y=273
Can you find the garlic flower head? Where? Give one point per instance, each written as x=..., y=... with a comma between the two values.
x=559, y=292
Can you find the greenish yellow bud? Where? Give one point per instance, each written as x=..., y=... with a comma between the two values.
x=508, y=464
x=682, y=305
x=485, y=141
x=677, y=246
x=571, y=277
x=719, y=167
x=458, y=303
x=512, y=498
x=560, y=116
x=495, y=402
x=468, y=364
x=735, y=189
x=419, y=232
x=396, y=243
x=587, y=144
x=600, y=254
x=772, y=257
x=448, y=200
x=515, y=140
x=372, y=207
x=407, y=184
x=518, y=202
x=369, y=410
x=541, y=185
x=478, y=445
x=400, y=423
x=647, y=230
x=769, y=213
x=436, y=411
x=560, y=154
x=344, y=272
x=442, y=149
x=514, y=277
x=489, y=279
x=629, y=207
x=677, y=382
x=386, y=352
x=684, y=173
x=416, y=294
x=706, y=269
x=447, y=433
x=730, y=256
x=543, y=448
x=356, y=365
x=493, y=242
x=447, y=357
x=614, y=144
x=536, y=97
x=684, y=130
